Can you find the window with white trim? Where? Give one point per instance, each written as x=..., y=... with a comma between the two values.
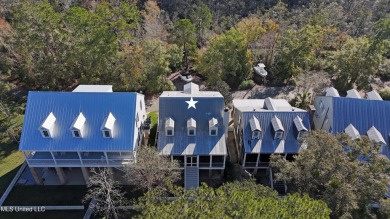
x=278, y=135
x=256, y=134
x=76, y=133
x=45, y=134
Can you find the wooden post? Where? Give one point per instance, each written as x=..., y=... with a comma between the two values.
x=61, y=175
x=85, y=174
x=37, y=177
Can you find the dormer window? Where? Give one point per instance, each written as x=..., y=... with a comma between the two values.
x=255, y=128
x=278, y=128
x=47, y=127
x=213, y=127
x=45, y=134
x=108, y=125
x=77, y=127
x=191, y=127
x=278, y=135
x=256, y=134
x=302, y=130
x=76, y=134
x=169, y=127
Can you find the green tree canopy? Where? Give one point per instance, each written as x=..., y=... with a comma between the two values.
x=53, y=50
x=184, y=37
x=201, y=17
x=227, y=59
x=347, y=174
x=232, y=200
x=354, y=63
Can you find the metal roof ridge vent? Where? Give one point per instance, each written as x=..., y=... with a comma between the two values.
x=332, y=92
x=255, y=124
x=352, y=132
x=268, y=103
x=191, y=88
x=353, y=94
x=299, y=124
x=277, y=124
x=47, y=126
x=78, y=125
x=373, y=95
x=375, y=135
x=108, y=126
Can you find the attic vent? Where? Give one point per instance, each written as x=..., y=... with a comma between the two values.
x=191, y=88
x=213, y=127
x=332, y=92
x=278, y=127
x=47, y=127
x=373, y=95
x=352, y=132
x=108, y=126
x=376, y=136
x=191, y=127
x=353, y=94
x=169, y=127
x=77, y=127
x=255, y=127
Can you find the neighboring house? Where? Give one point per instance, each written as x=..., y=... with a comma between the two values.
x=192, y=130
x=89, y=127
x=268, y=126
x=354, y=116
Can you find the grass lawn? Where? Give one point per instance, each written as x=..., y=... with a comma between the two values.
x=153, y=127
x=46, y=195
x=10, y=162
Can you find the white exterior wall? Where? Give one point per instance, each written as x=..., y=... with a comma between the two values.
x=141, y=111
x=321, y=114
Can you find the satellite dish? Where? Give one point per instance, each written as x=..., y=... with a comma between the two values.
x=259, y=70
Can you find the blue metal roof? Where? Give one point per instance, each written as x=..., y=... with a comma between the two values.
x=66, y=106
x=175, y=107
x=363, y=114
x=267, y=144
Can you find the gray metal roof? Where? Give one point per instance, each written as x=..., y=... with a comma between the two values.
x=191, y=88
x=202, y=143
x=277, y=124
x=353, y=94
x=269, y=104
x=255, y=124
x=373, y=95
x=264, y=105
x=352, y=132
x=375, y=135
x=93, y=88
x=332, y=92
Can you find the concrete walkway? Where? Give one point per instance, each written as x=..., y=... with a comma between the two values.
x=11, y=185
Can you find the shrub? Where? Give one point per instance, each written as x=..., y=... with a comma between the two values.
x=247, y=84
x=385, y=94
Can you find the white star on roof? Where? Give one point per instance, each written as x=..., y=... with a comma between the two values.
x=191, y=103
